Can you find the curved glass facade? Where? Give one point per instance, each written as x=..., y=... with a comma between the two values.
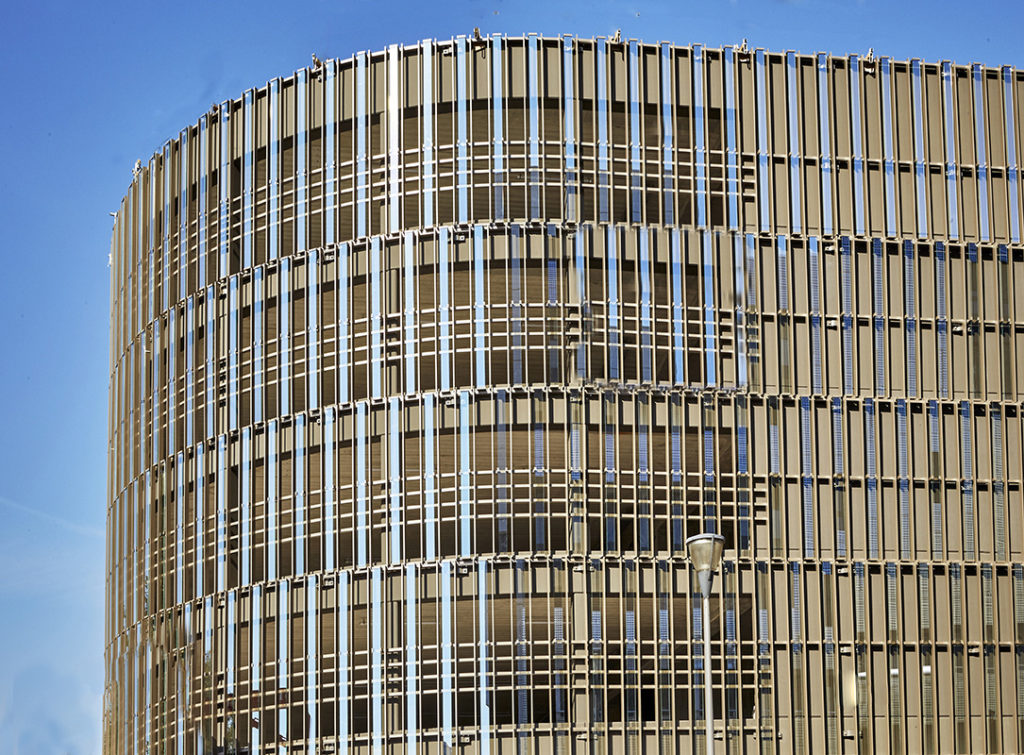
x=426, y=362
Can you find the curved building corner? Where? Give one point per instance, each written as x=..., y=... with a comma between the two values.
x=426, y=362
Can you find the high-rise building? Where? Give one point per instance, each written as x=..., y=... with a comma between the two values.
x=425, y=363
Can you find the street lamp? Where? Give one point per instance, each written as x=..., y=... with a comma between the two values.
x=705, y=552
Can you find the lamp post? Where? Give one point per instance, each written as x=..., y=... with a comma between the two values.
x=705, y=552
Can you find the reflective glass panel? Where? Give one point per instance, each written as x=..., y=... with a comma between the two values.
x=1012, y=173
x=824, y=134
x=257, y=345
x=271, y=499
x=480, y=248
x=411, y=665
x=569, y=107
x=203, y=203
x=411, y=313
x=497, y=127
x=858, y=148
x=919, y=166
x=183, y=219
x=447, y=648
x=465, y=492
x=533, y=114
x=233, y=353
x=890, y=178
x=646, y=336
x=981, y=156
x=377, y=722
x=667, y=144
x=200, y=518
x=222, y=514
x=793, y=104
x=394, y=150
x=483, y=621
x=443, y=289
x=343, y=323
x=342, y=661
x=427, y=116
x=284, y=338
x=462, y=131
x=330, y=152
x=951, y=166
x=635, y=167
x=299, y=495
x=601, y=87
x=395, y=478
x=313, y=329
x=248, y=195
x=763, y=148
x=245, y=525
x=312, y=621
x=361, y=484
x=710, y=357
x=613, y=303
x=210, y=371
x=376, y=320
x=224, y=190
x=700, y=146
x=429, y=476
x=329, y=488
x=362, y=157
x=273, y=173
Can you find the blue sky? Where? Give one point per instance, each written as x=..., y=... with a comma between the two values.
x=90, y=89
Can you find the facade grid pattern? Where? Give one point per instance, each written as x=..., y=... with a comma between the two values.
x=425, y=363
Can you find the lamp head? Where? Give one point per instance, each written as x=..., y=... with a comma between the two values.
x=705, y=551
